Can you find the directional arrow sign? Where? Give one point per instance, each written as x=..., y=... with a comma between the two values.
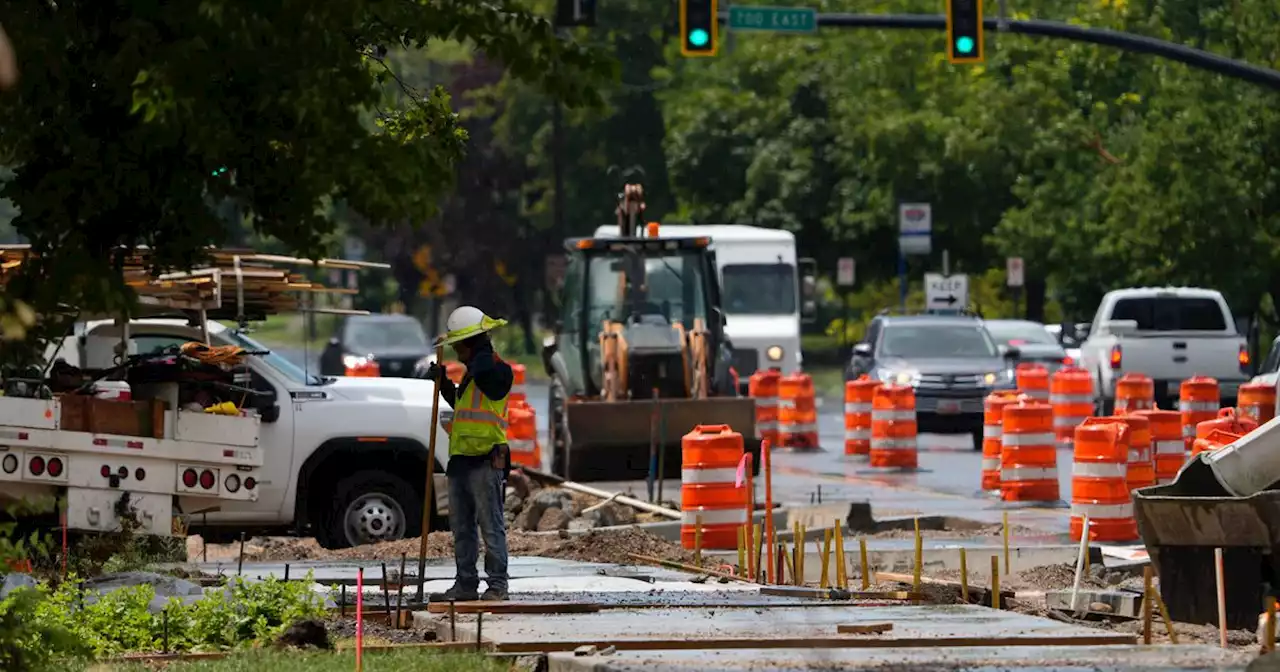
x=946, y=292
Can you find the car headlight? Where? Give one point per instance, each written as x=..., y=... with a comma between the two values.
x=996, y=377
x=774, y=353
x=899, y=377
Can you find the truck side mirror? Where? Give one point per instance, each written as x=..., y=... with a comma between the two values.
x=862, y=350
x=724, y=319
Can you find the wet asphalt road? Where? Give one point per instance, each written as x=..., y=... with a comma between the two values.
x=948, y=464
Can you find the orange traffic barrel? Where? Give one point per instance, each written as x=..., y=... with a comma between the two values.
x=708, y=487
x=1071, y=394
x=797, y=412
x=1098, y=483
x=859, y=396
x=522, y=435
x=992, y=417
x=1033, y=381
x=1140, y=471
x=1197, y=401
x=763, y=387
x=893, y=427
x=1135, y=392
x=1213, y=439
x=362, y=367
x=1257, y=401
x=1226, y=421
x=1028, y=453
x=518, y=390
x=1168, y=450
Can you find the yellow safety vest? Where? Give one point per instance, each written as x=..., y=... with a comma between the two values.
x=479, y=423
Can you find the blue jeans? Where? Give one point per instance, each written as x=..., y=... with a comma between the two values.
x=475, y=496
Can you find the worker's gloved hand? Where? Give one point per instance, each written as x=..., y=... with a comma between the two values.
x=434, y=372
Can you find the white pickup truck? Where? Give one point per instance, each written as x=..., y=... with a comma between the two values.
x=343, y=459
x=1169, y=334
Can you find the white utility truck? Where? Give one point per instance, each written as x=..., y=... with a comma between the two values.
x=1168, y=333
x=764, y=297
x=343, y=459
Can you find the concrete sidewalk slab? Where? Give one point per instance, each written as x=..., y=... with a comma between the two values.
x=1102, y=659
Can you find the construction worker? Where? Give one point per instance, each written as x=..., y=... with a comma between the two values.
x=479, y=458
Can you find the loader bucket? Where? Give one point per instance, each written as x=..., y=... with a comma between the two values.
x=611, y=440
x=1182, y=523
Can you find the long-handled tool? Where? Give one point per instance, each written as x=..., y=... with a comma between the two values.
x=431, y=476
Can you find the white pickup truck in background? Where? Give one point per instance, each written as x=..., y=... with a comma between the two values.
x=1169, y=334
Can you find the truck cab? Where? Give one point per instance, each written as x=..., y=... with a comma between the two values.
x=764, y=297
x=343, y=459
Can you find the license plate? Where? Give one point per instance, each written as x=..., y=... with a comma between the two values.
x=948, y=406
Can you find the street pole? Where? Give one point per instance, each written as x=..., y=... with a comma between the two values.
x=946, y=263
x=902, y=278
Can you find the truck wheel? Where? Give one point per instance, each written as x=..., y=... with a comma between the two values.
x=372, y=507
x=559, y=437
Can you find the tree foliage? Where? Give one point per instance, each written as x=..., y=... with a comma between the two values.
x=132, y=118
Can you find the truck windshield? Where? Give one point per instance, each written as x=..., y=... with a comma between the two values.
x=380, y=334
x=675, y=289
x=759, y=289
x=1171, y=313
x=290, y=370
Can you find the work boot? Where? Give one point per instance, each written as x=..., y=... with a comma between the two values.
x=494, y=595
x=455, y=594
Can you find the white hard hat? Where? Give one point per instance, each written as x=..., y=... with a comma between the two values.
x=467, y=321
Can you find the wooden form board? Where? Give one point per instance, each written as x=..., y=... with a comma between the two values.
x=830, y=642
x=514, y=607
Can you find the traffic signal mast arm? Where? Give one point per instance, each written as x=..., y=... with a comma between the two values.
x=1140, y=44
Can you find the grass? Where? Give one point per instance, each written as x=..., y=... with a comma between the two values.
x=827, y=381
x=289, y=331
x=408, y=660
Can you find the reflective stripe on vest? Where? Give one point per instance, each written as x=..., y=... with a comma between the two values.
x=479, y=423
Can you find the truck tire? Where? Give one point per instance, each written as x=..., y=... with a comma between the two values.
x=557, y=428
x=371, y=507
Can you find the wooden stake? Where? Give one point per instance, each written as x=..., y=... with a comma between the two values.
x=697, y=540
x=779, y=562
x=1146, y=604
x=431, y=477
x=842, y=576
x=1269, y=629
x=862, y=558
x=766, y=452
x=742, y=550
x=753, y=571
x=964, y=576
x=1219, y=568
x=919, y=560
x=995, y=582
x=789, y=558
x=1004, y=532
x=360, y=615
x=1164, y=616
x=687, y=568
x=826, y=559
x=758, y=539
x=800, y=555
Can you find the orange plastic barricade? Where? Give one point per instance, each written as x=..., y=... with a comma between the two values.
x=1033, y=381
x=992, y=417
x=518, y=390
x=1226, y=421
x=522, y=435
x=1212, y=440
x=708, y=478
x=893, y=427
x=1197, y=401
x=1028, y=453
x=1167, y=448
x=1071, y=394
x=1098, y=483
x=859, y=396
x=1135, y=392
x=797, y=412
x=362, y=367
x=1257, y=401
x=763, y=387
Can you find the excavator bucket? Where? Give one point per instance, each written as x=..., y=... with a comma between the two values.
x=612, y=440
x=1226, y=499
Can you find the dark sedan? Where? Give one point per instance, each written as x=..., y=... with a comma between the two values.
x=951, y=361
x=395, y=342
x=1034, y=342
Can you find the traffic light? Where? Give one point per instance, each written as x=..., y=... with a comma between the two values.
x=219, y=171
x=699, y=28
x=964, y=31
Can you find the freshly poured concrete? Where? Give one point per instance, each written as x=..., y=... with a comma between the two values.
x=437, y=569
x=1100, y=659
x=616, y=627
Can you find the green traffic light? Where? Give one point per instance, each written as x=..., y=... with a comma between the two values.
x=699, y=38
x=964, y=45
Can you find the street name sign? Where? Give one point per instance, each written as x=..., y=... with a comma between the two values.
x=774, y=19
x=946, y=292
x=915, y=228
x=845, y=272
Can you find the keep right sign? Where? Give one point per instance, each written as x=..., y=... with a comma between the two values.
x=1014, y=272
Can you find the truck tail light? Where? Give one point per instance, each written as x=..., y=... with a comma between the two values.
x=250, y=483
x=189, y=478
x=1243, y=358
x=1068, y=361
x=207, y=480
x=1116, y=357
x=105, y=471
x=37, y=466
x=55, y=467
